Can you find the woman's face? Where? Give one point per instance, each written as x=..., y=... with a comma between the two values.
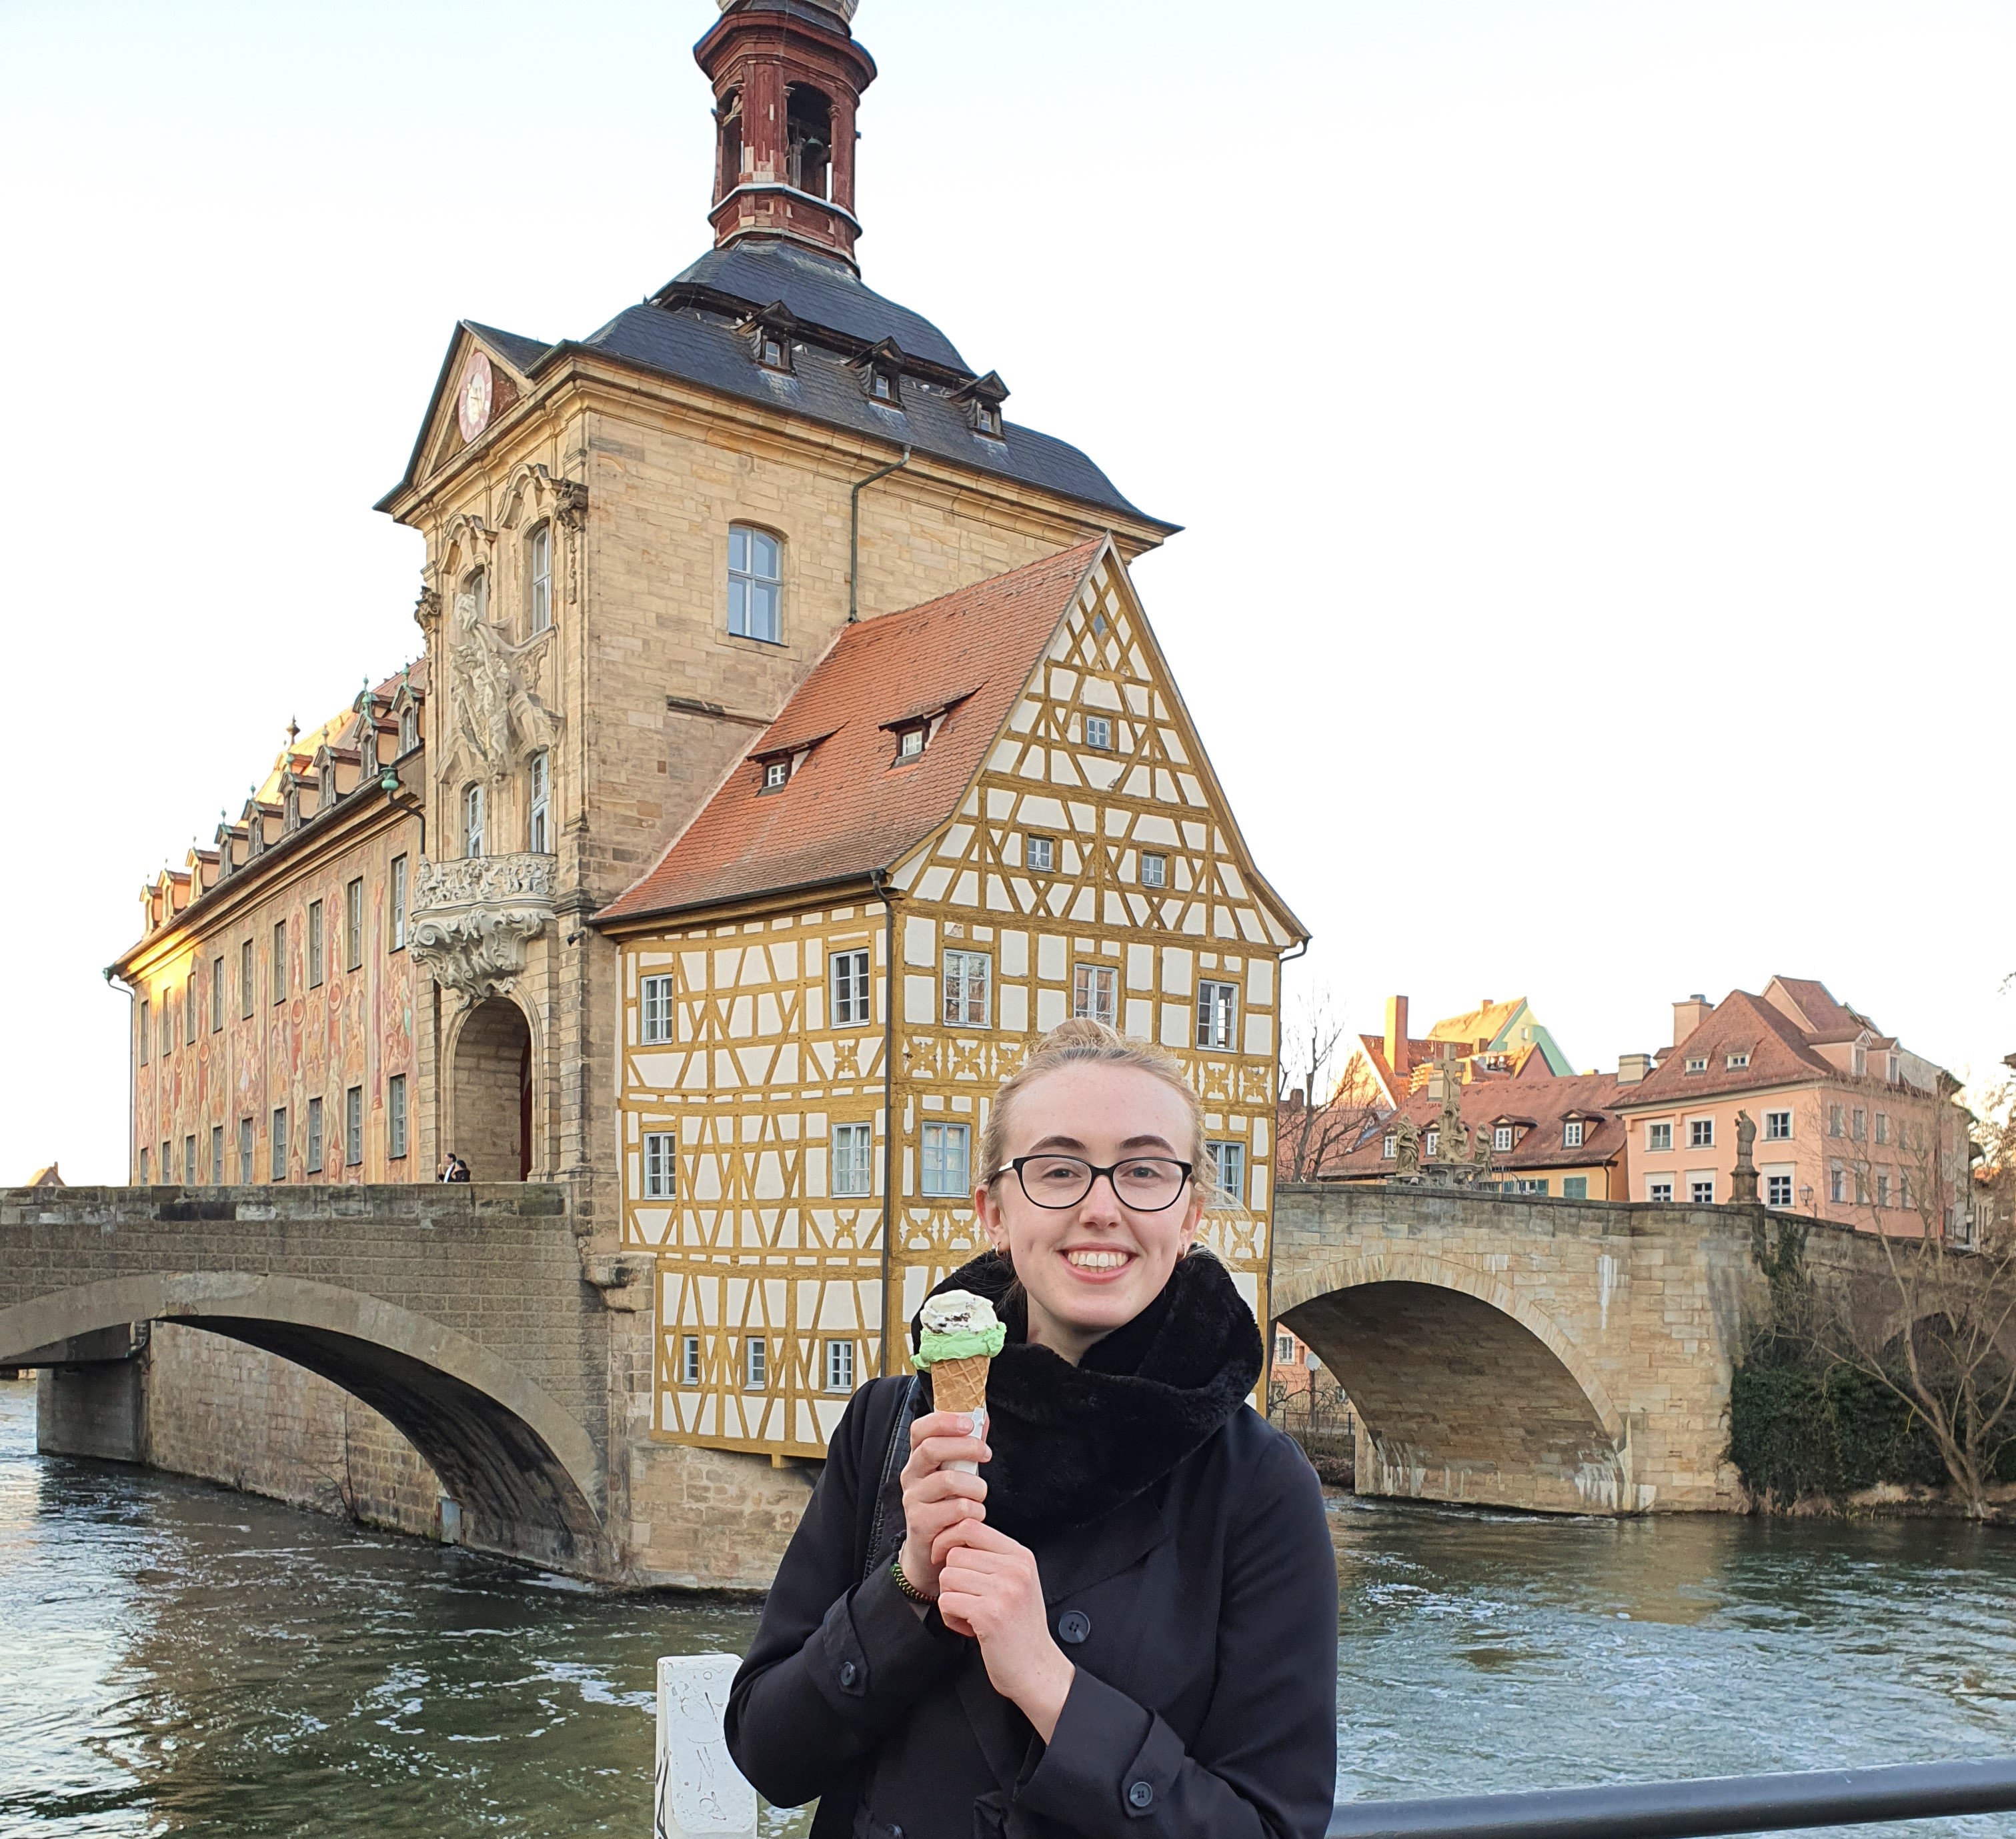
x=1093, y=1267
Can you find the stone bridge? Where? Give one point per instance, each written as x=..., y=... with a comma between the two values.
x=1569, y=1356
x=462, y=1314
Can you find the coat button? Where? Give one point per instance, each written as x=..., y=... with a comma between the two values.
x=1073, y=1626
x=1140, y=1794
x=849, y=1673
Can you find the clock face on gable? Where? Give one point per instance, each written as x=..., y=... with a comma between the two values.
x=472, y=407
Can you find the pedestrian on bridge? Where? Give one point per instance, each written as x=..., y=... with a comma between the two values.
x=1126, y=1622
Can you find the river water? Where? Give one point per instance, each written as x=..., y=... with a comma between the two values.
x=176, y=1658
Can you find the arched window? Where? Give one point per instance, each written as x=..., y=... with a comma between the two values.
x=808, y=132
x=539, y=789
x=325, y=787
x=409, y=729
x=540, y=556
x=472, y=821
x=755, y=584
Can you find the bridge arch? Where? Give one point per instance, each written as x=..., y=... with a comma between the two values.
x=1467, y=1390
x=526, y=1476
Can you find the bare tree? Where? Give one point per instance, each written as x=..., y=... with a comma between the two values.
x=1321, y=1114
x=1936, y=1326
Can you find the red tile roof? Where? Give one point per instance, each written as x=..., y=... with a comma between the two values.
x=849, y=809
x=1779, y=1049
x=1544, y=1105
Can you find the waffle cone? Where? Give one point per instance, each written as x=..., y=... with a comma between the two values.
x=960, y=1385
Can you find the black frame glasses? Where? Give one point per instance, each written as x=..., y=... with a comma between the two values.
x=1093, y=1172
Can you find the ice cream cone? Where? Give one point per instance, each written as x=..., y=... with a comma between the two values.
x=960, y=1385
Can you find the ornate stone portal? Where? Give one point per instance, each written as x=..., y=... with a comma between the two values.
x=470, y=920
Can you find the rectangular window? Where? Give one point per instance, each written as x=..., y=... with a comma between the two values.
x=1833, y=1121
x=1701, y=1189
x=1778, y=1126
x=689, y=1359
x=1660, y=1188
x=1154, y=870
x=661, y=1164
x=1525, y=1186
x=1861, y=1129
x=655, y=1003
x=1658, y=1136
x=315, y=1136
x=146, y=1032
x=395, y=1117
x=542, y=578
x=144, y=1182
x=216, y=1174
x=1571, y=1134
x=755, y=1363
x=1098, y=732
x=1575, y=1187
x=1903, y=1190
x=1217, y=1014
x=1735, y=1063
x=245, y=981
x=1882, y=1127
x=216, y=994
x=946, y=1160
x=166, y=1166
x=189, y=1160
x=1228, y=1163
x=1777, y=1190
x=967, y=975
x=278, y=1144
x=1040, y=853
x=1882, y=1188
x=1092, y=987
x=839, y=1366
x=353, y=925
x=538, y=797
x=1391, y=1148
x=755, y=584
x=189, y=1009
x=853, y=1159
x=314, y=945
x=847, y=972
x=1700, y=1133
x=472, y=821
x=353, y=1127
x=398, y=903
x=279, y=961
x=1284, y=1349
x=1836, y=1183
x=244, y=1152
x=1501, y=1136
x=167, y=1023
x=1698, y=1064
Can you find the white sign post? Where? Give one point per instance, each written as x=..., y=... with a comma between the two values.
x=700, y=1789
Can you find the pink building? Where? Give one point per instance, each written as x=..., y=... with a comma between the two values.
x=1851, y=1126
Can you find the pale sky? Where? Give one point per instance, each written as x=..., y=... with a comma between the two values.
x=1591, y=421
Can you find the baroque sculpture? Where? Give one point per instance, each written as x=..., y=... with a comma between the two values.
x=471, y=919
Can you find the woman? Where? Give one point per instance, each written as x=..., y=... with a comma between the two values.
x=1125, y=1623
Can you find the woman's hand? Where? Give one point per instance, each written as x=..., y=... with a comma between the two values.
x=988, y=1587
x=935, y=1498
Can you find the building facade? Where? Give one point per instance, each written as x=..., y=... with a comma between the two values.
x=1849, y=1126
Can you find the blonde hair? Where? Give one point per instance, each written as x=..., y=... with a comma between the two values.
x=1084, y=1042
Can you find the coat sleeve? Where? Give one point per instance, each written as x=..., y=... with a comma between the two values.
x=1264, y=1765
x=836, y=1662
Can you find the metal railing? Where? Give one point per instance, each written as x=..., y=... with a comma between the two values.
x=1695, y=1809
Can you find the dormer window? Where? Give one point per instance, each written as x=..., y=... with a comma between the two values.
x=772, y=352
x=409, y=729
x=776, y=775
x=1737, y=1062
x=982, y=399
x=325, y=787
x=290, y=807
x=987, y=419
x=1698, y=1064
x=1501, y=1136
x=882, y=386
x=1571, y=1134
x=909, y=743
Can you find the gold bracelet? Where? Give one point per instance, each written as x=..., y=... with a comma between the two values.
x=904, y=1584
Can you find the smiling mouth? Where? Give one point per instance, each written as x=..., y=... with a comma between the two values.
x=1096, y=1259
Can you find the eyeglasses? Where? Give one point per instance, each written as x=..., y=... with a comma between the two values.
x=1148, y=1184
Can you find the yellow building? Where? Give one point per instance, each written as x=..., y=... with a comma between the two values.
x=972, y=820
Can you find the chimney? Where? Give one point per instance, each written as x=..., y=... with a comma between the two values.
x=1396, y=1036
x=1632, y=1068
x=1689, y=1015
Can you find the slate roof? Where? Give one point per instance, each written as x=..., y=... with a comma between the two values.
x=522, y=353
x=849, y=809
x=1545, y=1103
x=819, y=289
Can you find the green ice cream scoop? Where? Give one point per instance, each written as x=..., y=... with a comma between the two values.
x=958, y=1325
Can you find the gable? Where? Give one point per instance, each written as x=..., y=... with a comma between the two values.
x=1105, y=810
x=505, y=362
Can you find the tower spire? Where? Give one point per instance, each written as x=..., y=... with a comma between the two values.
x=787, y=77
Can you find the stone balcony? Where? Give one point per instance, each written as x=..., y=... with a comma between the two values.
x=469, y=922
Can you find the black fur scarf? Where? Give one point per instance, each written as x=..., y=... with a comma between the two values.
x=1070, y=1443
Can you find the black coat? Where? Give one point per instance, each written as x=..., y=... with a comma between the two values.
x=1200, y=1609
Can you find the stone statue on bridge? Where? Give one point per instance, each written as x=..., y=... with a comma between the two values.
x=1743, y=1178
x=1407, y=1147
